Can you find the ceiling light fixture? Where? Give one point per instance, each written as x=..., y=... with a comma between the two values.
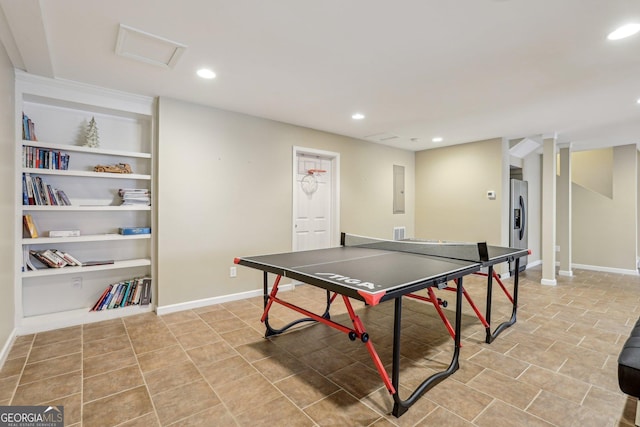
x=437, y=139
x=206, y=73
x=638, y=101
x=357, y=116
x=624, y=31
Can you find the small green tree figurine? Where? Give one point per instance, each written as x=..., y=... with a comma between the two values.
x=93, y=140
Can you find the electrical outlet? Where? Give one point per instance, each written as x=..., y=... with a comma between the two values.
x=76, y=282
x=233, y=272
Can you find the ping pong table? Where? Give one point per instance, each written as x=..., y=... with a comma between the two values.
x=374, y=271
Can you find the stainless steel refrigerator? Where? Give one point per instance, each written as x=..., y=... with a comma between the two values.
x=518, y=220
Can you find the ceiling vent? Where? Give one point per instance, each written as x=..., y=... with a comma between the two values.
x=381, y=137
x=148, y=48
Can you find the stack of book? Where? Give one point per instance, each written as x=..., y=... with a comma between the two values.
x=129, y=292
x=37, y=192
x=52, y=258
x=135, y=196
x=42, y=158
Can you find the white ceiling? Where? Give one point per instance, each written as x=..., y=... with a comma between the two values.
x=465, y=70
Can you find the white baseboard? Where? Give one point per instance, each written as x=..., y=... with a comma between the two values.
x=548, y=282
x=597, y=268
x=4, y=353
x=534, y=263
x=606, y=269
x=173, y=308
x=566, y=273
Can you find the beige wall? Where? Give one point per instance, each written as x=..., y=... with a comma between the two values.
x=451, y=192
x=604, y=229
x=225, y=190
x=7, y=205
x=592, y=170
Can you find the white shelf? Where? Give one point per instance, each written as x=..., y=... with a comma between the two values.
x=131, y=263
x=44, y=322
x=50, y=298
x=81, y=149
x=27, y=208
x=87, y=174
x=87, y=238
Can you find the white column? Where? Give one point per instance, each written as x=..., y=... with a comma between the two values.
x=548, y=244
x=564, y=212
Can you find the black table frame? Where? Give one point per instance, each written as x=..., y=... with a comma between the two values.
x=359, y=332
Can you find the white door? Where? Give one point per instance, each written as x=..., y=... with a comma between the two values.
x=314, y=201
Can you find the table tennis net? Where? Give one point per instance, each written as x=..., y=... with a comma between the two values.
x=475, y=252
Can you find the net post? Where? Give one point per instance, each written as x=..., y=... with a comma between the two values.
x=483, y=251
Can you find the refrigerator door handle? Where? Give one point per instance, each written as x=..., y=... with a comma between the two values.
x=523, y=220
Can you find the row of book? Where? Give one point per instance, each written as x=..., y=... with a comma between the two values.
x=43, y=158
x=135, y=196
x=28, y=128
x=129, y=292
x=52, y=258
x=37, y=192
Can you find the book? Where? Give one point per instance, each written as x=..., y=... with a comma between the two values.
x=114, y=296
x=102, y=297
x=134, y=286
x=30, y=226
x=72, y=258
x=125, y=293
x=44, y=261
x=125, y=231
x=137, y=290
x=145, y=296
x=99, y=262
x=64, y=233
x=26, y=258
x=68, y=258
x=63, y=198
x=29, y=185
x=25, y=196
x=51, y=255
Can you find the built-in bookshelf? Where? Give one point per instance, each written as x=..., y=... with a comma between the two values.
x=57, y=154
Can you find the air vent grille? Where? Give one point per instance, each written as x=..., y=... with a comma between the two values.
x=399, y=233
x=148, y=48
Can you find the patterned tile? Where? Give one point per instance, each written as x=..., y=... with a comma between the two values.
x=212, y=365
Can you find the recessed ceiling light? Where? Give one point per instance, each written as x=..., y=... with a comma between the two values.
x=437, y=139
x=206, y=73
x=638, y=101
x=624, y=31
x=357, y=116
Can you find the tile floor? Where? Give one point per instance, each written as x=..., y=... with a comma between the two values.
x=212, y=367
